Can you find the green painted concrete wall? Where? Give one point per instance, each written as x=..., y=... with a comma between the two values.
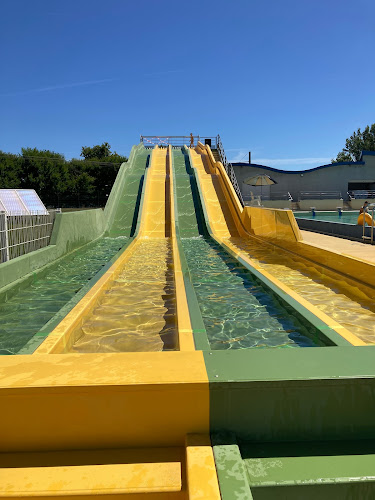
x=72, y=230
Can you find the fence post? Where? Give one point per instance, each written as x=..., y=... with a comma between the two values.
x=4, y=224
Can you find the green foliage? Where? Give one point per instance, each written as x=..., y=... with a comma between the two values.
x=359, y=141
x=78, y=182
x=96, y=152
x=102, y=153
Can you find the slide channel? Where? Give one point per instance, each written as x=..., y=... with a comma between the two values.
x=349, y=303
x=238, y=312
x=26, y=310
x=136, y=312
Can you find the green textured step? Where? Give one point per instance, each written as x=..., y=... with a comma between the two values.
x=330, y=470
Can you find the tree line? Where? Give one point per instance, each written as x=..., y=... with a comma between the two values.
x=85, y=181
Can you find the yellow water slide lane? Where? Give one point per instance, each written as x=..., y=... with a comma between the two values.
x=229, y=224
x=134, y=306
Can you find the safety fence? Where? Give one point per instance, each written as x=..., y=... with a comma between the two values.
x=361, y=194
x=319, y=195
x=149, y=141
x=277, y=195
x=21, y=234
x=229, y=168
x=177, y=140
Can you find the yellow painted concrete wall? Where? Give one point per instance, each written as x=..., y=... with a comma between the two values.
x=155, y=223
x=270, y=223
x=277, y=204
x=85, y=401
x=226, y=214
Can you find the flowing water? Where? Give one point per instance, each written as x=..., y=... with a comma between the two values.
x=27, y=311
x=343, y=299
x=237, y=311
x=137, y=312
x=330, y=292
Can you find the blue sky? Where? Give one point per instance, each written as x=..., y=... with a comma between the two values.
x=287, y=79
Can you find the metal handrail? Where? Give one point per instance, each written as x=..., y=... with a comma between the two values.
x=229, y=168
x=175, y=140
x=277, y=196
x=319, y=195
x=361, y=194
x=149, y=141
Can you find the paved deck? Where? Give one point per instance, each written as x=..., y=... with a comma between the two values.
x=356, y=249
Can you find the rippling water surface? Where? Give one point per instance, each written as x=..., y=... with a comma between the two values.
x=330, y=292
x=137, y=312
x=31, y=308
x=237, y=311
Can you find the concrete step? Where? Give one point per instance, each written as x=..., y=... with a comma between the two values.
x=170, y=473
x=152, y=473
x=326, y=471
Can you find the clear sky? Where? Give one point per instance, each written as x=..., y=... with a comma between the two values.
x=287, y=79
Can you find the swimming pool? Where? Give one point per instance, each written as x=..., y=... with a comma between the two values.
x=349, y=217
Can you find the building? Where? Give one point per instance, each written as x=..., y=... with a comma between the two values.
x=326, y=187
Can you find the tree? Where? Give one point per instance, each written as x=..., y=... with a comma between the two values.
x=10, y=170
x=359, y=141
x=103, y=153
x=96, y=152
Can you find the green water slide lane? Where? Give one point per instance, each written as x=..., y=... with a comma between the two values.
x=236, y=309
x=33, y=309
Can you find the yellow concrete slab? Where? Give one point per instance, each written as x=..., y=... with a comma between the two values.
x=350, y=248
x=200, y=468
x=85, y=480
x=78, y=401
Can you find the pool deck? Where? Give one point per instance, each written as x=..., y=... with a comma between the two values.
x=355, y=249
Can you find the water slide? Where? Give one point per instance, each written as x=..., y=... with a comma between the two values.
x=345, y=304
x=133, y=306
x=142, y=303
x=193, y=278
x=32, y=307
x=365, y=217
x=237, y=311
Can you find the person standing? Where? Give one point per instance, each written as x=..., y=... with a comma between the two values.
x=191, y=140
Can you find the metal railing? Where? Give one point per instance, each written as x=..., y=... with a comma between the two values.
x=229, y=168
x=361, y=194
x=21, y=234
x=277, y=196
x=176, y=140
x=319, y=195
